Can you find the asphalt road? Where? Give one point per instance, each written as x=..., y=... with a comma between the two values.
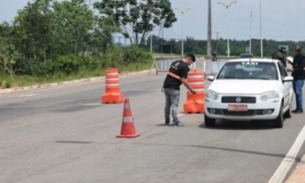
x=65, y=135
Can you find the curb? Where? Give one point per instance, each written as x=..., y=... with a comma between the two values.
x=52, y=85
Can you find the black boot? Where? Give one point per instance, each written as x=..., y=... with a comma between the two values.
x=295, y=110
x=298, y=111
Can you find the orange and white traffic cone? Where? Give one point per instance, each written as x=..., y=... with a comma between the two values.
x=195, y=103
x=113, y=94
x=128, y=130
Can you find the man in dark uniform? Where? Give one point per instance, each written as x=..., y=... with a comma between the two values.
x=281, y=55
x=298, y=74
x=176, y=76
x=214, y=56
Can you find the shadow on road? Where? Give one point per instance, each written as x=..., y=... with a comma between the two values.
x=240, y=125
x=170, y=125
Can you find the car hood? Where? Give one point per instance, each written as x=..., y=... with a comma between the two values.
x=242, y=86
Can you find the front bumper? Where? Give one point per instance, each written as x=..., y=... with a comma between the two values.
x=256, y=111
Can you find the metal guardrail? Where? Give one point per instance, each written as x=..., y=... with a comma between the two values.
x=162, y=64
x=211, y=68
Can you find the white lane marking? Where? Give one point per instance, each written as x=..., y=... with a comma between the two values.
x=92, y=104
x=27, y=95
x=283, y=169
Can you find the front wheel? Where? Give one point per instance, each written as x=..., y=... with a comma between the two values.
x=278, y=122
x=209, y=122
x=288, y=112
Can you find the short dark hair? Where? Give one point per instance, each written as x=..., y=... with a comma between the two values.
x=298, y=49
x=191, y=56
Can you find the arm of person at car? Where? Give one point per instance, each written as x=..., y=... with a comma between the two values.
x=300, y=68
x=289, y=61
x=186, y=84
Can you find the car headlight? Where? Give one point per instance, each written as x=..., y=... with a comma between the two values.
x=269, y=95
x=211, y=94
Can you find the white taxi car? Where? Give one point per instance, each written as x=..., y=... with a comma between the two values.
x=249, y=89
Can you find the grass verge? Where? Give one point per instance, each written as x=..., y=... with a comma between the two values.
x=25, y=80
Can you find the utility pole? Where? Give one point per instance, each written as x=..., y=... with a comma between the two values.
x=151, y=44
x=151, y=40
x=250, y=41
x=217, y=42
x=228, y=38
x=262, y=52
x=182, y=37
x=209, y=44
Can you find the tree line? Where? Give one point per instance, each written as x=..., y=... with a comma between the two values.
x=47, y=36
x=196, y=46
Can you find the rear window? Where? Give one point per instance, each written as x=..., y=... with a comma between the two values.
x=246, y=56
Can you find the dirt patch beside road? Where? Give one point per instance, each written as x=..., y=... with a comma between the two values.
x=298, y=175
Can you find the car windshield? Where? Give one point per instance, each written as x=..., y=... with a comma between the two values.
x=248, y=70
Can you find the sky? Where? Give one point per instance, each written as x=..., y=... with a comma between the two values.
x=281, y=19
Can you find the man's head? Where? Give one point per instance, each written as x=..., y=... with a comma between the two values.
x=281, y=52
x=189, y=59
x=297, y=50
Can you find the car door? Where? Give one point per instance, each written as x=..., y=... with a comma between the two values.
x=286, y=86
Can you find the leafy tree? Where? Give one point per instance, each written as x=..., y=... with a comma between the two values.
x=32, y=33
x=73, y=20
x=102, y=36
x=136, y=18
x=7, y=57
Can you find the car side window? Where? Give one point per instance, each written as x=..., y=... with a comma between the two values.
x=282, y=70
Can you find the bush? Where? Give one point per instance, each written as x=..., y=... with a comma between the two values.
x=5, y=84
x=134, y=54
x=132, y=58
x=8, y=84
x=112, y=57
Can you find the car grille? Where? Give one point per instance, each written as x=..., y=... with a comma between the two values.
x=239, y=113
x=248, y=100
x=258, y=112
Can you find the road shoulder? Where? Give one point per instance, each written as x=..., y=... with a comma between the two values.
x=298, y=175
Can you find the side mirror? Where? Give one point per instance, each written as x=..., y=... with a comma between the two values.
x=288, y=79
x=211, y=78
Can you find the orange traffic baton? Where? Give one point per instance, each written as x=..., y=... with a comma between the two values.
x=113, y=94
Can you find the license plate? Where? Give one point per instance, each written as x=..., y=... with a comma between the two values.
x=237, y=107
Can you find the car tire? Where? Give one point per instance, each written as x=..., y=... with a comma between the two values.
x=209, y=122
x=288, y=112
x=278, y=122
